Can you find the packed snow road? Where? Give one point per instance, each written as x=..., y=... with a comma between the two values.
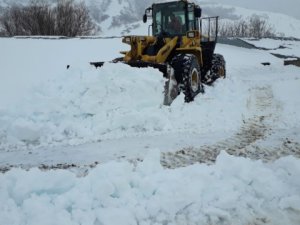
x=245, y=127
x=246, y=142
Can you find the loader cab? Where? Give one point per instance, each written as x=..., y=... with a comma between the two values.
x=173, y=18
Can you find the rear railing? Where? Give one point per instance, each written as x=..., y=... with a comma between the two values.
x=208, y=27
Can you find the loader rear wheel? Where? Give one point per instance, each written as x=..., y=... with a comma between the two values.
x=218, y=66
x=217, y=70
x=188, y=75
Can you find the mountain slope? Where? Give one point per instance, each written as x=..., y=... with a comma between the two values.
x=283, y=24
x=120, y=17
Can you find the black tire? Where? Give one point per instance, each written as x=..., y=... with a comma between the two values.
x=218, y=67
x=217, y=70
x=188, y=75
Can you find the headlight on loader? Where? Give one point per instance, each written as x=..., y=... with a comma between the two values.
x=126, y=40
x=191, y=34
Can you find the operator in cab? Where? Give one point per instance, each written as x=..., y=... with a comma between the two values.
x=174, y=25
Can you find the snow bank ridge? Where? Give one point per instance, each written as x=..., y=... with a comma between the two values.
x=247, y=192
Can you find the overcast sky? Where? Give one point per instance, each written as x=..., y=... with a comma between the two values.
x=289, y=7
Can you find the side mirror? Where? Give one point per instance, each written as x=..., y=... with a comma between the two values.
x=145, y=18
x=198, y=12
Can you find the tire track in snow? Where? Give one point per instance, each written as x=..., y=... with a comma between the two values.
x=244, y=142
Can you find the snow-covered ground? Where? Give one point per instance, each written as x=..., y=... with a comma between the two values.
x=109, y=128
x=283, y=47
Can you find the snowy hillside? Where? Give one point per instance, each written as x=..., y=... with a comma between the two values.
x=80, y=145
x=120, y=17
x=283, y=24
x=114, y=18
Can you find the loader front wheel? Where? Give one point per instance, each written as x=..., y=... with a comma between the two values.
x=188, y=75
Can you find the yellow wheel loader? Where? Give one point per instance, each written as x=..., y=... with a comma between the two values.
x=181, y=46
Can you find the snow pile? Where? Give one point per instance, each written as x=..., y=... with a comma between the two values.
x=48, y=58
x=83, y=105
x=78, y=104
x=246, y=192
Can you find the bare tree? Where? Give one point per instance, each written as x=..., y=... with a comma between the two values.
x=11, y=21
x=259, y=27
x=72, y=18
x=38, y=19
x=66, y=18
x=251, y=27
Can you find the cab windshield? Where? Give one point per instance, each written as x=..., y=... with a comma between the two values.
x=169, y=19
